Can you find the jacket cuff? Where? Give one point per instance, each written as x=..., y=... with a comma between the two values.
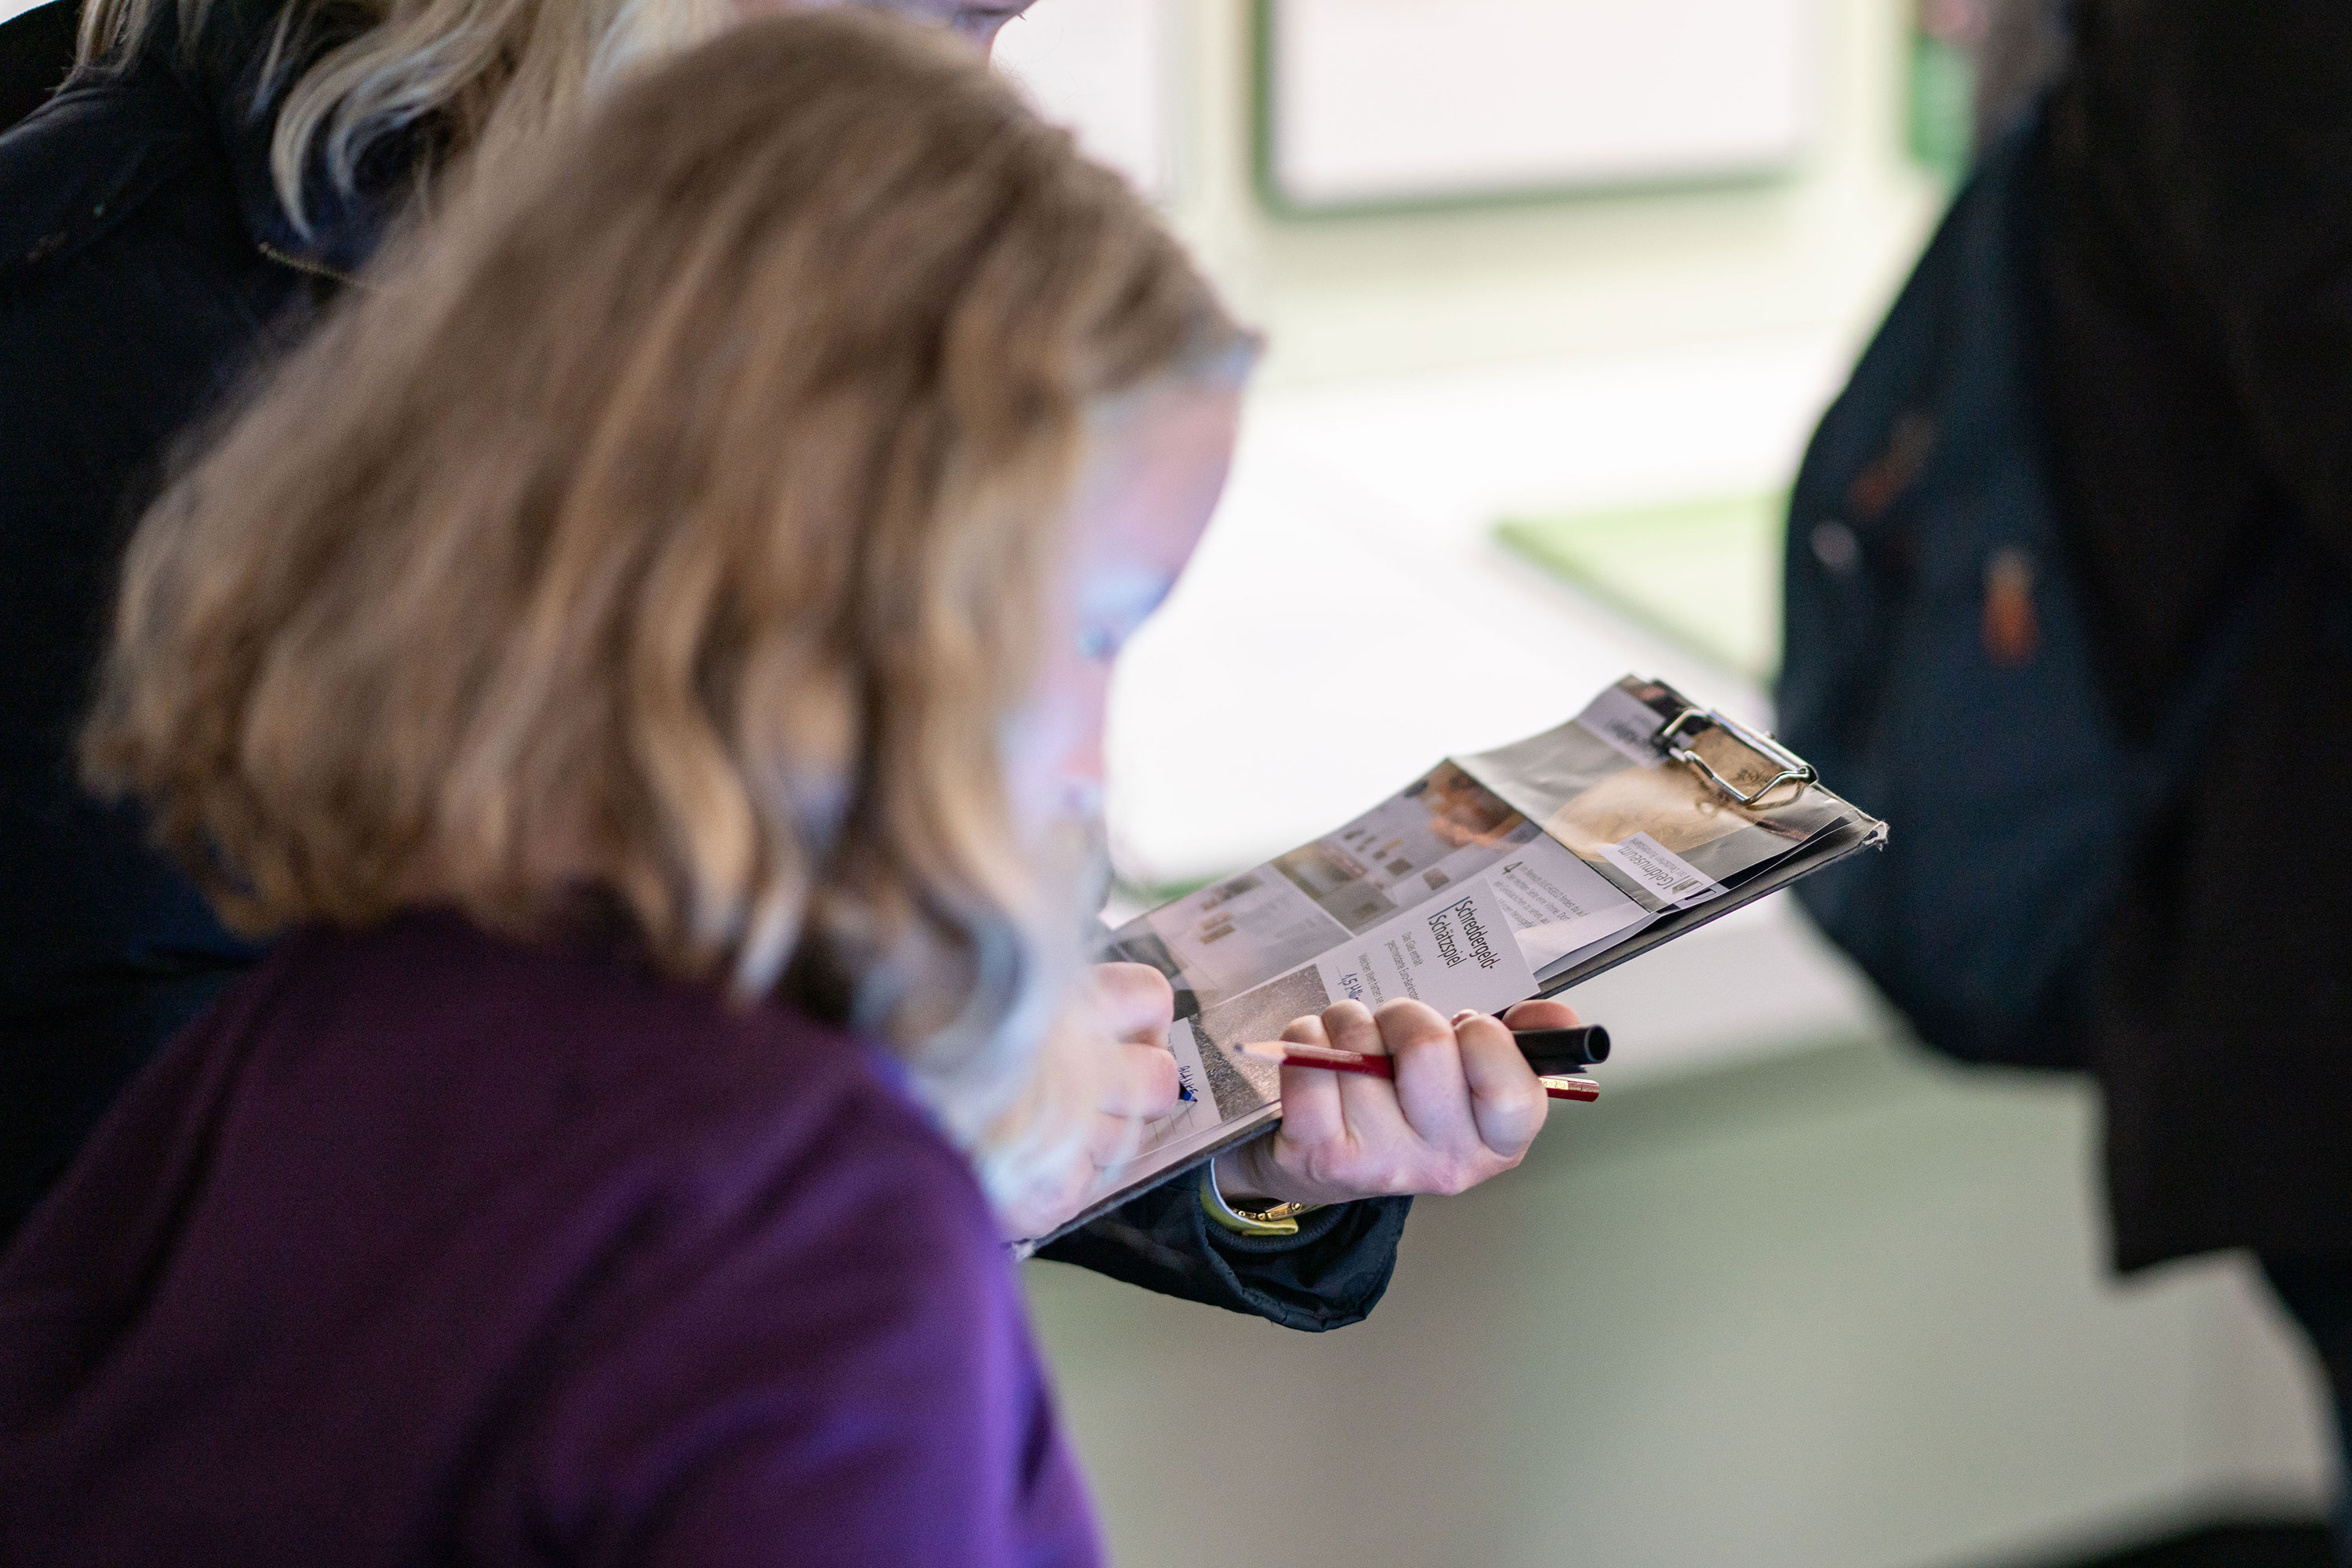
x=1327, y=1276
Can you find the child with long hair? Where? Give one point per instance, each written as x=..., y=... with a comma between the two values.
x=637, y=658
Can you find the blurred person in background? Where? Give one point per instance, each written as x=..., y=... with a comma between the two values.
x=2199, y=279
x=2088, y=496
x=212, y=178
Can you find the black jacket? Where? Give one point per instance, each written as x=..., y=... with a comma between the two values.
x=2199, y=271
x=145, y=266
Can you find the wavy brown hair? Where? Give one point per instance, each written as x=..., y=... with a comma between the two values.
x=671, y=521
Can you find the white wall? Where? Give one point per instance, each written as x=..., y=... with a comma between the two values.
x=1816, y=252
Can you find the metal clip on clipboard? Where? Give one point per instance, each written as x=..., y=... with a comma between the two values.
x=1770, y=754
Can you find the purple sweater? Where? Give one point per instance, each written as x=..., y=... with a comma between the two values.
x=425, y=1246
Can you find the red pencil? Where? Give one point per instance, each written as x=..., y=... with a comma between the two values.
x=1288, y=1054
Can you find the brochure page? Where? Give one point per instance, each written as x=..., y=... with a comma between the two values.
x=1468, y=888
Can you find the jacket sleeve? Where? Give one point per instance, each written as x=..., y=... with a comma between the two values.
x=1327, y=1276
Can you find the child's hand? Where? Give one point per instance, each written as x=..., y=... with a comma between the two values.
x=1464, y=1107
x=1134, y=1006
x=1119, y=1015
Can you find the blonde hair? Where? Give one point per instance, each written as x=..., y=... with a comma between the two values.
x=673, y=522
x=483, y=74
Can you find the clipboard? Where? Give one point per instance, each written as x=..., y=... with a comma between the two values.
x=1671, y=778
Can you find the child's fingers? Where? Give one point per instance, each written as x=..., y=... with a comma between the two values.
x=1133, y=1001
x=1139, y=1080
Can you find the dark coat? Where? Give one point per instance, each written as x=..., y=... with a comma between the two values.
x=2199, y=266
x=145, y=266
x=37, y=52
x=137, y=280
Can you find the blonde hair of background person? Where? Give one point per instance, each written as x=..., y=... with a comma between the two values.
x=681, y=521
x=491, y=75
